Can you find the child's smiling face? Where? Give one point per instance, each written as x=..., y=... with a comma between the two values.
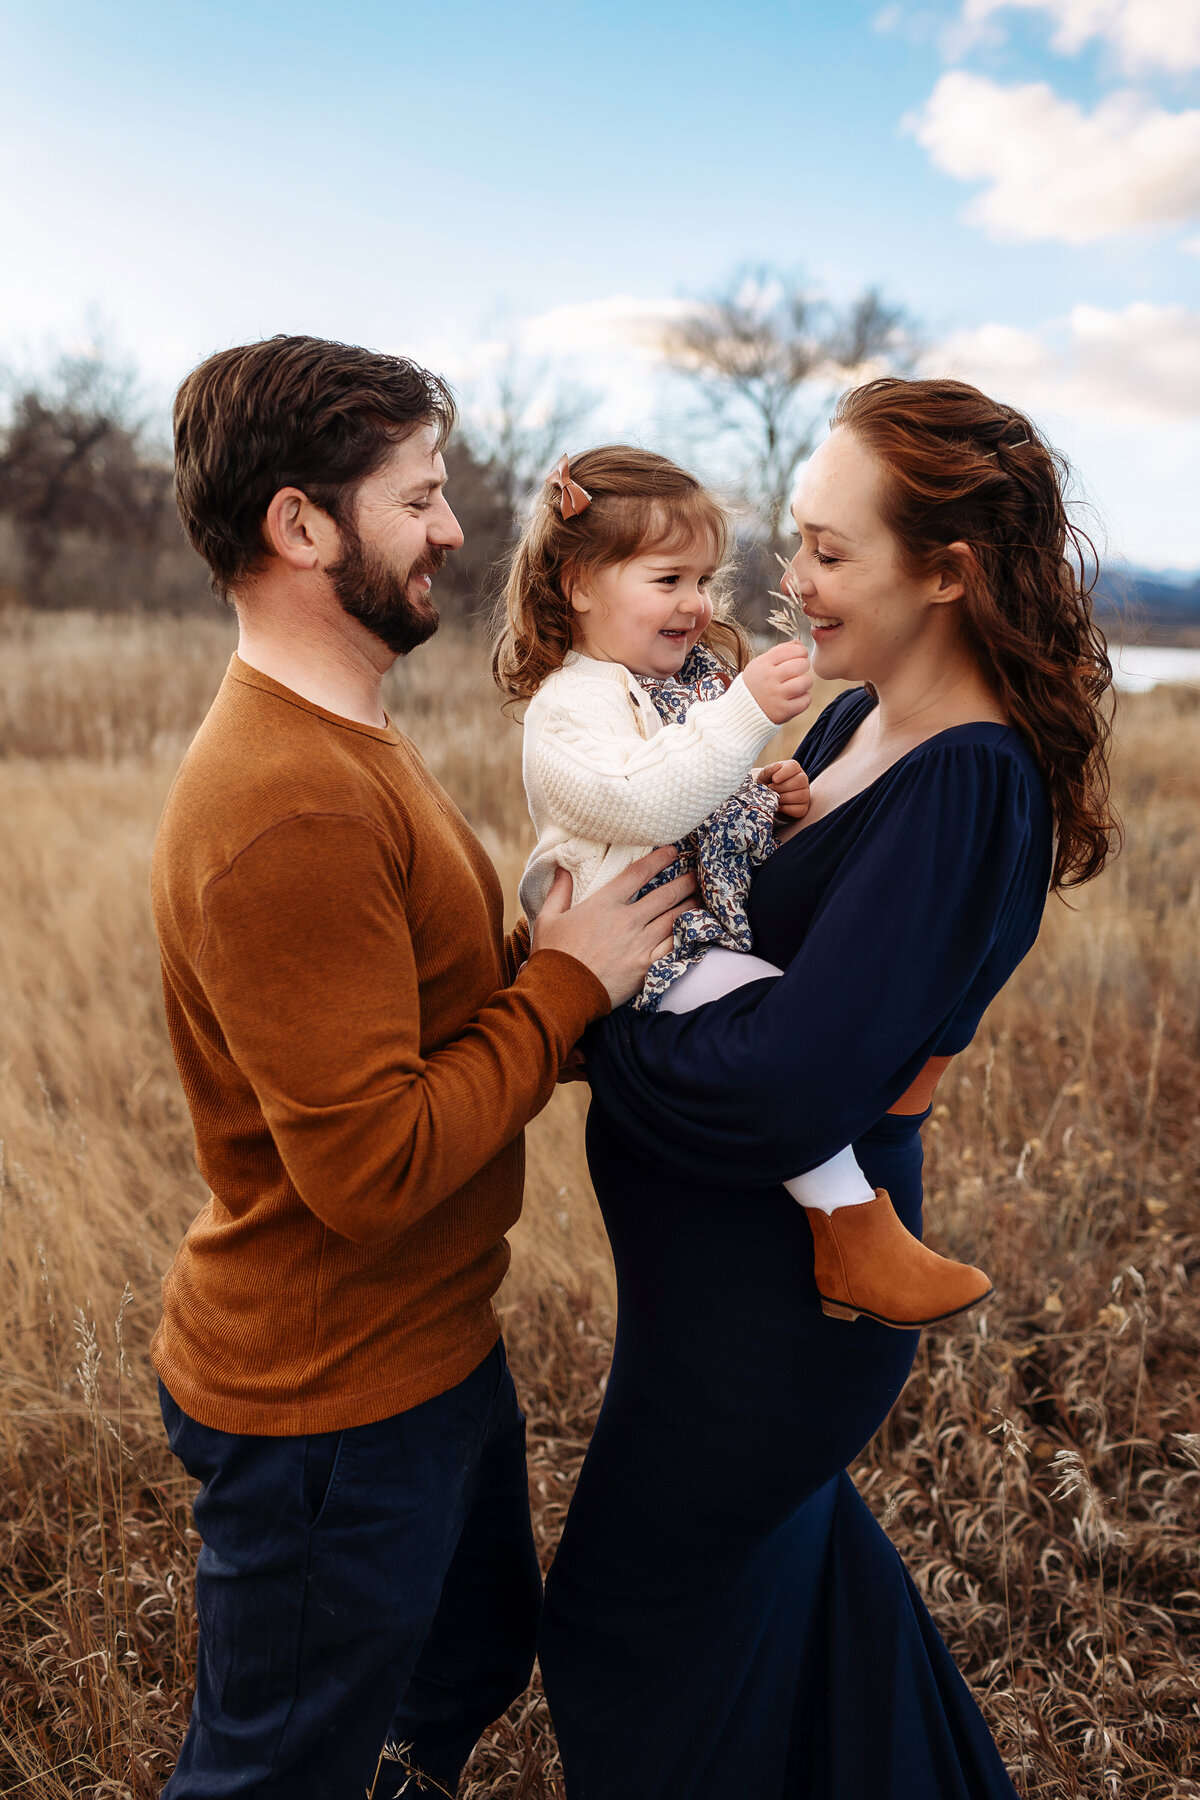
x=648, y=612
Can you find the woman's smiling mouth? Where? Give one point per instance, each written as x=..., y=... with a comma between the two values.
x=819, y=624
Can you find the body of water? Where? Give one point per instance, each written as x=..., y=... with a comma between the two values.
x=1137, y=667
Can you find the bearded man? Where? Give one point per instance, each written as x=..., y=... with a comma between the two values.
x=360, y=1047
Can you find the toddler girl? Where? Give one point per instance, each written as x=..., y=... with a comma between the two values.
x=638, y=732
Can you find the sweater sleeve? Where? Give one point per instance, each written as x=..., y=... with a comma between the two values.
x=516, y=948
x=308, y=967
x=774, y=1079
x=605, y=783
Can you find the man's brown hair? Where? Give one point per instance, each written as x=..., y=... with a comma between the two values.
x=289, y=412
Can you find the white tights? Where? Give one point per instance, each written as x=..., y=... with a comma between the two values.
x=838, y=1182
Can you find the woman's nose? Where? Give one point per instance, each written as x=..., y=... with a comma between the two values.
x=802, y=586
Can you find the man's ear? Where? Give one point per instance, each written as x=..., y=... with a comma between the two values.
x=298, y=532
x=952, y=586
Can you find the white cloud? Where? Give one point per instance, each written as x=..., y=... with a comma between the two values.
x=619, y=324
x=1119, y=392
x=1141, y=363
x=1146, y=34
x=1054, y=171
x=606, y=349
x=619, y=329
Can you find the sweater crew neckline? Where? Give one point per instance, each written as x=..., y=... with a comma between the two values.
x=593, y=665
x=249, y=676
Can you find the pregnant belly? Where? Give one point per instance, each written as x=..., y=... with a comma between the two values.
x=732, y=1397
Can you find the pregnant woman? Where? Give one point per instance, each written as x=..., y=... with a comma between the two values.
x=725, y=1619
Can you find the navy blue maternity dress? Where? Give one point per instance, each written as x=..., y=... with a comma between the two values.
x=725, y=1620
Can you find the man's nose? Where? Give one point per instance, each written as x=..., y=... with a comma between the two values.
x=445, y=530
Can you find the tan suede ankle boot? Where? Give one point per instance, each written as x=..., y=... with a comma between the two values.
x=867, y=1261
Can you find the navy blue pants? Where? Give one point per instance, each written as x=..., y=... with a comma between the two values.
x=357, y=1587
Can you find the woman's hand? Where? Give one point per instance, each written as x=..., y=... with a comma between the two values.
x=781, y=681
x=788, y=780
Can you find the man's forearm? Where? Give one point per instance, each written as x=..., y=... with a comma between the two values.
x=371, y=1166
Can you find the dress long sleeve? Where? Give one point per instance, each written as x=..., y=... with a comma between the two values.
x=943, y=877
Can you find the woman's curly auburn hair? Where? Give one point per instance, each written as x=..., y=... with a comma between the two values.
x=960, y=468
x=639, y=502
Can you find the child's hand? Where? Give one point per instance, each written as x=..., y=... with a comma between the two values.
x=791, y=784
x=781, y=681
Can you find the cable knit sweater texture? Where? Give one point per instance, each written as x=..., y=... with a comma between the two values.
x=606, y=780
x=360, y=1049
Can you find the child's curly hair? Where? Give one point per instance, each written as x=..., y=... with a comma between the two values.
x=639, y=501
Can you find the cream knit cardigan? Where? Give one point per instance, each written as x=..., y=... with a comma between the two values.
x=606, y=780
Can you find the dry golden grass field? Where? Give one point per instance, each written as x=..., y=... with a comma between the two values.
x=1041, y=1473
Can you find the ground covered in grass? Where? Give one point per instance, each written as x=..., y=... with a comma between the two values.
x=1040, y=1475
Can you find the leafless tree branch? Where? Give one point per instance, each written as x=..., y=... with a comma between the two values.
x=768, y=357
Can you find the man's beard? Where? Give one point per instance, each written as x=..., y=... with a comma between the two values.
x=378, y=598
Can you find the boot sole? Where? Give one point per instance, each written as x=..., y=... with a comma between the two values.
x=836, y=1309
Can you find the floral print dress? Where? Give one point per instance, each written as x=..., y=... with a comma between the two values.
x=724, y=851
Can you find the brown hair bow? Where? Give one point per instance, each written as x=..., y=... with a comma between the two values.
x=574, y=498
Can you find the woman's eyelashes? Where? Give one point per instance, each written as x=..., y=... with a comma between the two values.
x=824, y=558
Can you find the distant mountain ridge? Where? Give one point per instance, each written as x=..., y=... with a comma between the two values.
x=1147, y=606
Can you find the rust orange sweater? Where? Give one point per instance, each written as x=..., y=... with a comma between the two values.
x=359, y=1054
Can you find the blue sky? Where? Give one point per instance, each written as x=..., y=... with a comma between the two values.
x=444, y=179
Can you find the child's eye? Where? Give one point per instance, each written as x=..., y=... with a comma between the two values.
x=667, y=580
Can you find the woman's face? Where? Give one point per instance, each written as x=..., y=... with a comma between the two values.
x=868, y=615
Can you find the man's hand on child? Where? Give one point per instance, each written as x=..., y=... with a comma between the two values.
x=615, y=935
x=788, y=780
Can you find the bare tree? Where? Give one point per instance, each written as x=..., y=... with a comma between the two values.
x=769, y=357
x=520, y=423
x=76, y=463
